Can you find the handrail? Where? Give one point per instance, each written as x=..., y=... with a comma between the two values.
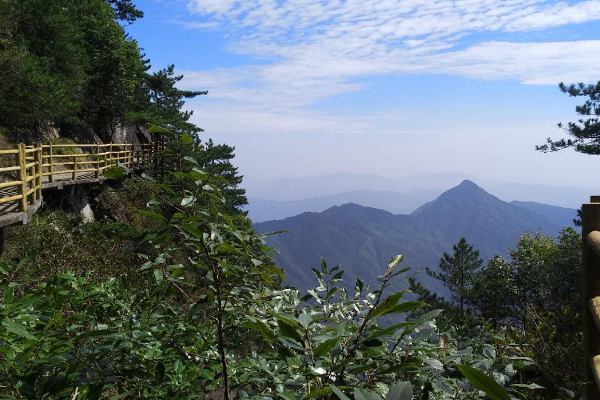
x=590, y=219
x=37, y=167
x=593, y=240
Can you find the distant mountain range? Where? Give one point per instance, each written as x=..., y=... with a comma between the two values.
x=363, y=239
x=282, y=198
x=397, y=203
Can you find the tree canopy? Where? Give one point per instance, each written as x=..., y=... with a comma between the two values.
x=585, y=133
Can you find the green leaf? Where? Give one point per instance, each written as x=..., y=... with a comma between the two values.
x=274, y=270
x=430, y=316
x=157, y=129
x=404, y=307
x=158, y=275
x=339, y=393
x=288, y=330
x=114, y=173
x=387, y=304
x=193, y=230
x=325, y=347
x=362, y=394
x=9, y=295
x=395, y=261
x=186, y=139
x=18, y=329
x=483, y=382
x=267, y=333
x=191, y=159
x=400, y=391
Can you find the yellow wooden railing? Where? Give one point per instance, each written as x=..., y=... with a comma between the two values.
x=29, y=169
x=590, y=227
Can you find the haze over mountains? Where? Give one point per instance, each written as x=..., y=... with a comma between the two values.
x=363, y=239
x=282, y=198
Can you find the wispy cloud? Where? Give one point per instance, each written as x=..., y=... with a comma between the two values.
x=317, y=49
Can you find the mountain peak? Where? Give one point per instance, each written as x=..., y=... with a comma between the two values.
x=467, y=184
x=467, y=193
x=466, y=189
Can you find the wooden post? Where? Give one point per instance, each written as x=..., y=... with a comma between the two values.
x=74, y=167
x=590, y=221
x=97, y=173
x=51, y=163
x=31, y=172
x=22, y=176
x=40, y=161
x=110, y=153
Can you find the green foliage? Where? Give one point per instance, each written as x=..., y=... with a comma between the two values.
x=72, y=64
x=54, y=242
x=159, y=102
x=459, y=272
x=534, y=297
x=584, y=133
x=65, y=150
x=204, y=316
x=494, y=291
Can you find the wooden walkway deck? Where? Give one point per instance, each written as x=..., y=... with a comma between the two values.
x=35, y=168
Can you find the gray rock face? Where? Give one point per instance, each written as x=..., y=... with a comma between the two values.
x=80, y=201
x=130, y=134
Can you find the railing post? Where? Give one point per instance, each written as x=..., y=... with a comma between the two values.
x=32, y=172
x=97, y=173
x=590, y=222
x=40, y=162
x=74, y=176
x=22, y=176
x=51, y=158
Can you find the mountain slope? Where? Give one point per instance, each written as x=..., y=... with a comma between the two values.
x=559, y=215
x=487, y=222
x=363, y=239
x=397, y=203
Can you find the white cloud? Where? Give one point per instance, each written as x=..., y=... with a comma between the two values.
x=316, y=49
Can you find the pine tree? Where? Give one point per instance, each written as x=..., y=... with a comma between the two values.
x=458, y=272
x=585, y=133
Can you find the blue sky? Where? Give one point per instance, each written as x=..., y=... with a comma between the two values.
x=392, y=87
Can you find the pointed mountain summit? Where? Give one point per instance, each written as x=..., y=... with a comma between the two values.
x=465, y=194
x=486, y=221
x=363, y=239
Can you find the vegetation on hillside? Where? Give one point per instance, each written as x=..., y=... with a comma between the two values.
x=534, y=297
x=173, y=295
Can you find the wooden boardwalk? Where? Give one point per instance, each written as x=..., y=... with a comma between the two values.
x=30, y=169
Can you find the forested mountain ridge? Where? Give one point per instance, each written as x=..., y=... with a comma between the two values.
x=362, y=238
x=261, y=210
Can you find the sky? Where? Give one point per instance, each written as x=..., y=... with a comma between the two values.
x=391, y=87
